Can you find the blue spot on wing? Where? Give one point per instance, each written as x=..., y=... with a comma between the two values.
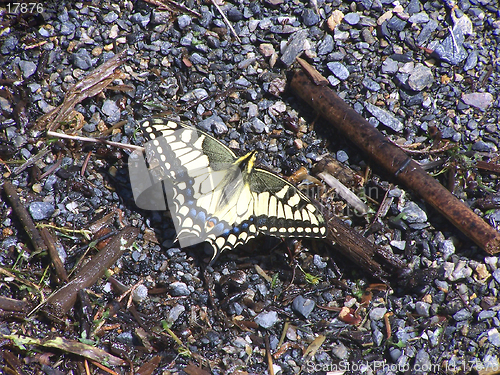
x=219, y=228
x=201, y=216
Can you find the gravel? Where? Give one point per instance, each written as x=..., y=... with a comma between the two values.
x=424, y=73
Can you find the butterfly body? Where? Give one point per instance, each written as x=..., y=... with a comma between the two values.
x=217, y=197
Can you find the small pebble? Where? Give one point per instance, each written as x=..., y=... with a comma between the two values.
x=178, y=289
x=339, y=70
x=267, y=319
x=110, y=109
x=196, y=94
x=41, y=210
x=420, y=78
x=385, y=117
x=140, y=293
x=184, y=21
x=340, y=351
x=481, y=100
x=326, y=46
x=318, y=262
x=494, y=337
x=310, y=17
x=294, y=47
x=378, y=313
x=28, y=68
x=175, y=312
x=303, y=306
x=414, y=214
x=110, y=17
x=463, y=314
x=352, y=18
x=82, y=59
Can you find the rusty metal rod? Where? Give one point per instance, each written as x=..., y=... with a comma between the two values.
x=395, y=161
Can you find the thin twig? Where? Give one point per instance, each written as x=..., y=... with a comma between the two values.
x=268, y=355
x=226, y=20
x=31, y=161
x=56, y=165
x=85, y=163
x=161, y=4
x=95, y=140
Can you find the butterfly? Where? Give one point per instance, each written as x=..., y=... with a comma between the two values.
x=215, y=196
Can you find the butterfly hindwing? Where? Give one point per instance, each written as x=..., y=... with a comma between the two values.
x=282, y=210
x=215, y=196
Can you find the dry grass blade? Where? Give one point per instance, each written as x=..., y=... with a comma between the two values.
x=313, y=348
x=69, y=346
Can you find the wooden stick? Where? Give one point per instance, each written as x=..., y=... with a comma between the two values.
x=24, y=217
x=10, y=304
x=395, y=161
x=61, y=301
x=54, y=255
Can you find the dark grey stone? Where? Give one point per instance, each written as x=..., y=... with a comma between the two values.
x=471, y=61
x=175, y=313
x=326, y=45
x=352, y=18
x=294, y=47
x=370, y=84
x=110, y=109
x=339, y=70
x=178, y=289
x=67, y=28
x=141, y=19
x=426, y=32
x=463, y=314
x=303, y=306
x=234, y=14
x=451, y=49
x=82, y=59
x=28, y=68
x=384, y=117
x=214, y=123
x=9, y=45
x=41, y=210
x=389, y=66
x=420, y=78
x=310, y=17
x=110, y=17
x=184, y=21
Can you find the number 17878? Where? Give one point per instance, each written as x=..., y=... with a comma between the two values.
x=25, y=7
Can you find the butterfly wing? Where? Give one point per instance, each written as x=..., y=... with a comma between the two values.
x=213, y=198
x=193, y=168
x=281, y=210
